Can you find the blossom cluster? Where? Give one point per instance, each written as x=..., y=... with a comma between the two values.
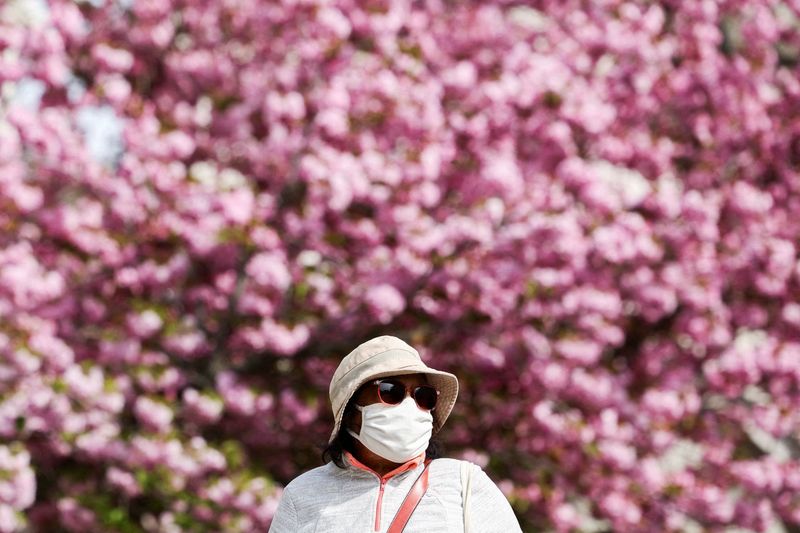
x=588, y=211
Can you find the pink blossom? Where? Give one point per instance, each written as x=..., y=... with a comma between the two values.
x=124, y=481
x=621, y=510
x=269, y=270
x=581, y=351
x=145, y=323
x=385, y=302
x=205, y=409
x=589, y=208
x=152, y=414
x=110, y=58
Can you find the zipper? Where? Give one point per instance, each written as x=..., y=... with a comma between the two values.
x=379, y=504
x=410, y=465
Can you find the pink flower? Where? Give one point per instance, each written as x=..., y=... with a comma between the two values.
x=123, y=481
x=113, y=59
x=592, y=209
x=238, y=205
x=268, y=269
x=201, y=407
x=583, y=352
x=621, y=509
x=153, y=415
x=8, y=519
x=238, y=398
x=145, y=324
x=384, y=302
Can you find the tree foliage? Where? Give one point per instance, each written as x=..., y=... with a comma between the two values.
x=588, y=211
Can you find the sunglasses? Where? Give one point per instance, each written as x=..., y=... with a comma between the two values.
x=392, y=392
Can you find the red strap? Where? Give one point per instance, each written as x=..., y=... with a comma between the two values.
x=410, y=503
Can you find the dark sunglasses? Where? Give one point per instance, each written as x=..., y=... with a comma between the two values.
x=392, y=392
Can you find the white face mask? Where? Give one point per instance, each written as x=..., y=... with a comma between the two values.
x=395, y=432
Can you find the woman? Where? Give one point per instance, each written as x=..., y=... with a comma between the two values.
x=386, y=405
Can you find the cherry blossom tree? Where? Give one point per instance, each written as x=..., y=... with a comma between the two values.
x=588, y=211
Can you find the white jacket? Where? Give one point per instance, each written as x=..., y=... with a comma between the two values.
x=355, y=499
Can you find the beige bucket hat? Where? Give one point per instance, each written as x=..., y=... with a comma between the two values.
x=382, y=357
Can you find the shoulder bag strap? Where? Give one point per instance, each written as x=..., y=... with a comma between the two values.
x=410, y=503
x=466, y=485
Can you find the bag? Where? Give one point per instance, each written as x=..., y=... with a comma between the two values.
x=466, y=483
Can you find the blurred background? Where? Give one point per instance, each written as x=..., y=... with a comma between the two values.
x=588, y=211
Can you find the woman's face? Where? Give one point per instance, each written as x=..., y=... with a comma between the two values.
x=368, y=394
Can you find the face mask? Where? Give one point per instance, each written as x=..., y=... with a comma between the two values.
x=395, y=432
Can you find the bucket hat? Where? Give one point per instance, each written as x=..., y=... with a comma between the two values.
x=382, y=357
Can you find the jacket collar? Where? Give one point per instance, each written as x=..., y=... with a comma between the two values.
x=408, y=465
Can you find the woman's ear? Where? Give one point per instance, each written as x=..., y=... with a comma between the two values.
x=352, y=419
